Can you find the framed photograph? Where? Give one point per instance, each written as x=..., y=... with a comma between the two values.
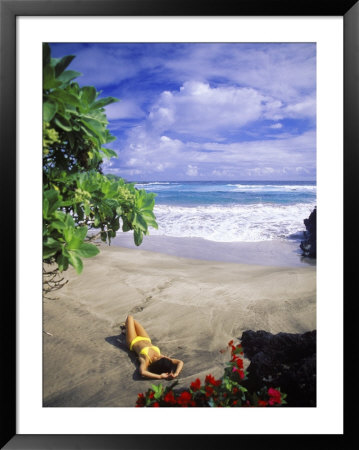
x=233, y=125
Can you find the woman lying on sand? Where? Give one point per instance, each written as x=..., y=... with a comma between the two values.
x=152, y=363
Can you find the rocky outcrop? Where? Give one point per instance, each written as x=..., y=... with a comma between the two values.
x=284, y=360
x=309, y=244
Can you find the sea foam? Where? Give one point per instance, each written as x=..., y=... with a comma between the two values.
x=239, y=223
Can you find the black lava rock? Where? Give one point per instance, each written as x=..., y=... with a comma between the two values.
x=286, y=361
x=309, y=245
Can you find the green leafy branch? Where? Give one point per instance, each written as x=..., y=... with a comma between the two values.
x=77, y=196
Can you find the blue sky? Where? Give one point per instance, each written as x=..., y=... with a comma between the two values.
x=205, y=111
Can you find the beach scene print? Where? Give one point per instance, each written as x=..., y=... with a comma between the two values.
x=179, y=225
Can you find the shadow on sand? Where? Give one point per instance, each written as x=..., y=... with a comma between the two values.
x=119, y=341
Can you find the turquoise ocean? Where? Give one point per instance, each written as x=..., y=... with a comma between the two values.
x=232, y=211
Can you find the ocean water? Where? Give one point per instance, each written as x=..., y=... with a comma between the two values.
x=247, y=211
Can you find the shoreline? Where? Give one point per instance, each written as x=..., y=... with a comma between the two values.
x=281, y=253
x=191, y=308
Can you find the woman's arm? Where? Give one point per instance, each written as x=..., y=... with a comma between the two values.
x=179, y=366
x=145, y=373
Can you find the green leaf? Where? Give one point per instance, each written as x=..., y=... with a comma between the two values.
x=75, y=261
x=62, y=64
x=138, y=237
x=157, y=391
x=62, y=123
x=62, y=262
x=68, y=76
x=64, y=97
x=126, y=226
x=50, y=247
x=54, y=200
x=109, y=153
x=69, y=221
x=144, y=200
x=87, y=250
x=45, y=207
x=150, y=218
x=140, y=222
x=51, y=243
x=87, y=209
x=104, y=102
x=78, y=237
x=69, y=228
x=49, y=110
x=46, y=54
x=88, y=94
x=49, y=80
x=93, y=129
x=48, y=252
x=57, y=225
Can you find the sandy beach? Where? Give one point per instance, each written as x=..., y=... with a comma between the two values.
x=190, y=307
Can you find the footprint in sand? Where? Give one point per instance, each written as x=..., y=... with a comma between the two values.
x=136, y=309
x=140, y=308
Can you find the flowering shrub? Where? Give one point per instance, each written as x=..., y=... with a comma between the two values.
x=224, y=392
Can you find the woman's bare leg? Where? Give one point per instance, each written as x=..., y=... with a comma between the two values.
x=130, y=330
x=140, y=331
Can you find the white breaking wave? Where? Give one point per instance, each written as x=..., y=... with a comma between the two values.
x=273, y=188
x=244, y=223
x=156, y=184
x=202, y=188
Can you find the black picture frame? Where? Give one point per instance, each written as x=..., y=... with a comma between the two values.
x=9, y=10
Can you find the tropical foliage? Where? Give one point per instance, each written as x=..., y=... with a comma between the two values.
x=227, y=391
x=77, y=196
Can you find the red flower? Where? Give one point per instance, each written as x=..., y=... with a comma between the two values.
x=230, y=343
x=262, y=403
x=235, y=390
x=241, y=374
x=211, y=380
x=274, y=396
x=169, y=398
x=196, y=385
x=140, y=400
x=184, y=398
x=156, y=405
x=209, y=391
x=151, y=395
x=239, y=363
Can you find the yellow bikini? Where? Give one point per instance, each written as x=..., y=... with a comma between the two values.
x=144, y=350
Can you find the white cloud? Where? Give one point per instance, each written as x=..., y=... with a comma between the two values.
x=124, y=109
x=201, y=110
x=192, y=171
x=304, y=108
x=282, y=71
x=153, y=154
x=189, y=130
x=301, y=170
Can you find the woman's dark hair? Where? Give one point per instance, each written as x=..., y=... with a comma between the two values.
x=162, y=365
